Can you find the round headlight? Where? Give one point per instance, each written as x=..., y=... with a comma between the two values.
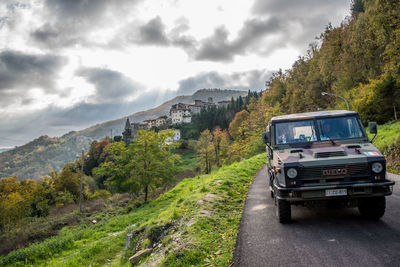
x=291, y=173
x=377, y=167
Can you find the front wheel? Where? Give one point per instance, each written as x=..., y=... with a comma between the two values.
x=372, y=208
x=283, y=211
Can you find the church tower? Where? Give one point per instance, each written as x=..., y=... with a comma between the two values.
x=127, y=134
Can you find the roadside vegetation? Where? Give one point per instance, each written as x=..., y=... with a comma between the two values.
x=388, y=142
x=195, y=223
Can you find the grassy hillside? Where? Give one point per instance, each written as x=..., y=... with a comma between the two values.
x=388, y=142
x=195, y=223
x=38, y=157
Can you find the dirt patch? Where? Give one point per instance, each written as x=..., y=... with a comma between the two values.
x=186, y=174
x=218, y=182
x=211, y=197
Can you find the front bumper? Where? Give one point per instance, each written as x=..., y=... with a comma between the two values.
x=319, y=192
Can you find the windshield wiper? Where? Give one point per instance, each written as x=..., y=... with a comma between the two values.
x=323, y=134
x=330, y=139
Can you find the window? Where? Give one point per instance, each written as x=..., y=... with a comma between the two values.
x=339, y=128
x=295, y=132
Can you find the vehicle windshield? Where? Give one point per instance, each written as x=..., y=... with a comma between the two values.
x=339, y=128
x=328, y=129
x=295, y=132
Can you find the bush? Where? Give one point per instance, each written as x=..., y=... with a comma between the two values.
x=64, y=198
x=100, y=194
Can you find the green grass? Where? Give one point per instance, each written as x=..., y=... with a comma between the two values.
x=189, y=160
x=388, y=135
x=388, y=142
x=196, y=222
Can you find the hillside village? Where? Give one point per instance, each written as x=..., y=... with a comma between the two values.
x=180, y=113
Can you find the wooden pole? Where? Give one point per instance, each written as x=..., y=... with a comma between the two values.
x=80, y=191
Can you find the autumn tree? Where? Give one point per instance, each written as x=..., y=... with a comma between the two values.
x=221, y=145
x=237, y=127
x=15, y=199
x=205, y=149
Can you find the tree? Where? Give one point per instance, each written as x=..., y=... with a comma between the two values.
x=236, y=129
x=114, y=171
x=357, y=7
x=206, y=150
x=221, y=145
x=152, y=163
x=15, y=199
x=68, y=180
x=145, y=164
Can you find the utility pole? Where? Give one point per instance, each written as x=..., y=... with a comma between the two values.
x=80, y=192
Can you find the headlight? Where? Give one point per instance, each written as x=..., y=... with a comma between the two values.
x=291, y=173
x=377, y=167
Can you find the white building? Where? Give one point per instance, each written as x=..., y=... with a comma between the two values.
x=180, y=113
x=161, y=121
x=150, y=123
x=175, y=138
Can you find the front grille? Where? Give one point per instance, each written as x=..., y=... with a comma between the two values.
x=353, y=172
x=328, y=154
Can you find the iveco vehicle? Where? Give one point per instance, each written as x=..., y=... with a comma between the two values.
x=325, y=158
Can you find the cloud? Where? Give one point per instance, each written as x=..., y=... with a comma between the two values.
x=304, y=8
x=68, y=23
x=110, y=85
x=253, y=80
x=219, y=48
x=301, y=21
x=19, y=72
x=153, y=32
x=50, y=36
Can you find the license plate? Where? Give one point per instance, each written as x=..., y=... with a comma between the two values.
x=336, y=192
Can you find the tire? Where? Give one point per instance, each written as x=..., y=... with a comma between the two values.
x=372, y=208
x=283, y=211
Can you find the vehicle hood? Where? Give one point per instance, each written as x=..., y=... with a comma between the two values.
x=326, y=154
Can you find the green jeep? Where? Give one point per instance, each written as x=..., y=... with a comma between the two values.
x=324, y=158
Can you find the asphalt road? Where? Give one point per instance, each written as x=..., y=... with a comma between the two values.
x=335, y=237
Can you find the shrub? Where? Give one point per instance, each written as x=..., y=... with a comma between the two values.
x=100, y=194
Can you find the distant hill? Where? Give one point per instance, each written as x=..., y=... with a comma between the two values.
x=36, y=158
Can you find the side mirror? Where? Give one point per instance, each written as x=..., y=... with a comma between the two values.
x=373, y=128
x=266, y=137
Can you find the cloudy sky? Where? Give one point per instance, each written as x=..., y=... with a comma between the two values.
x=68, y=64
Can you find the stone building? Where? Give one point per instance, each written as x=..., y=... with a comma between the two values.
x=161, y=121
x=131, y=129
x=180, y=113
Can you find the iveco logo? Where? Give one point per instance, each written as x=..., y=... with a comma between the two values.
x=334, y=172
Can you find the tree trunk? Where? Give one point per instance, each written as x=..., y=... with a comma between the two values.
x=146, y=189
